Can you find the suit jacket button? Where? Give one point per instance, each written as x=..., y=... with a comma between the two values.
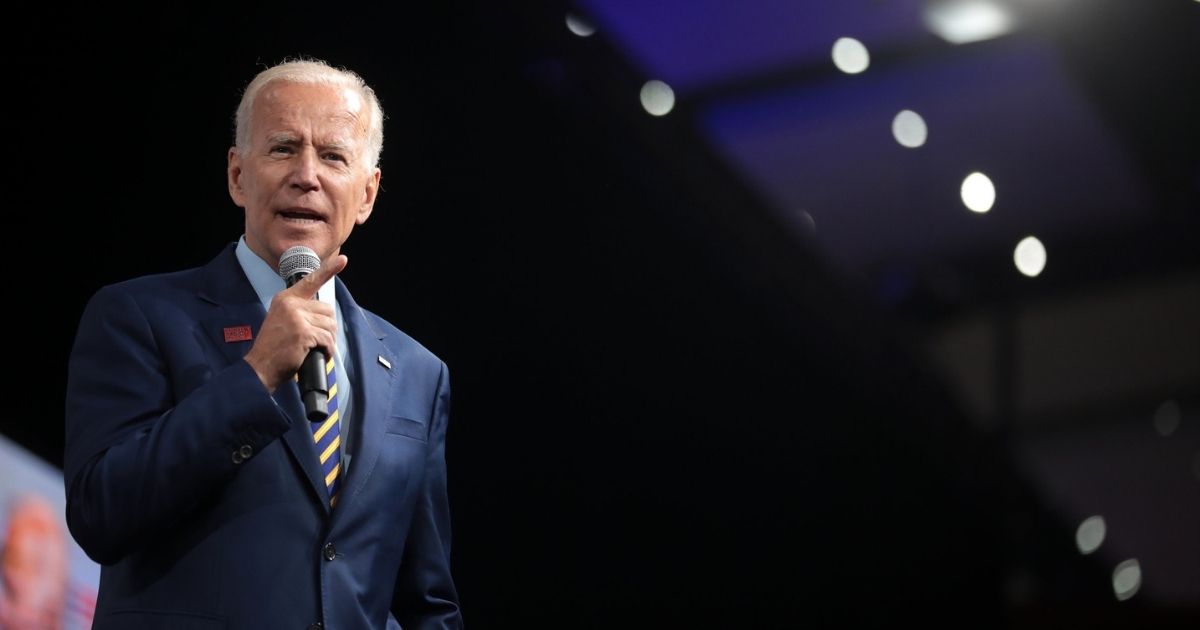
x=330, y=551
x=315, y=626
x=238, y=457
x=246, y=450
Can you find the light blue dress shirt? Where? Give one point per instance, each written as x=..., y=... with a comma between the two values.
x=266, y=284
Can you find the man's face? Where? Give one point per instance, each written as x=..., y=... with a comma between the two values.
x=303, y=180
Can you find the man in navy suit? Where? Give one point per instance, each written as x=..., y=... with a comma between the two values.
x=192, y=473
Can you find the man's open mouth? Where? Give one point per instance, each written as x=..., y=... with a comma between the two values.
x=300, y=214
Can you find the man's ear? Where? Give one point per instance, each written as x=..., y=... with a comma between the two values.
x=233, y=176
x=369, y=193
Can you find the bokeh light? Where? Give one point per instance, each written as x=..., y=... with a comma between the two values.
x=657, y=98
x=579, y=26
x=1030, y=256
x=1166, y=418
x=1127, y=579
x=850, y=55
x=965, y=21
x=1090, y=534
x=978, y=192
x=909, y=129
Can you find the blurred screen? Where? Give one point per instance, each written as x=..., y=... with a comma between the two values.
x=46, y=581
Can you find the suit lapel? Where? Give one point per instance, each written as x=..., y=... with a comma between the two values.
x=225, y=286
x=372, y=392
x=299, y=440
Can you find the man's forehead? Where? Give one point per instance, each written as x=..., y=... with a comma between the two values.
x=282, y=104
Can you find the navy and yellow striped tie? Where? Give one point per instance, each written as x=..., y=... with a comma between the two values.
x=328, y=438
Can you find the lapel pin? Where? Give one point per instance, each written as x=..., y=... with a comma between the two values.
x=234, y=334
x=384, y=362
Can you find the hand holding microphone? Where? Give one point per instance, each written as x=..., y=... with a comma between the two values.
x=298, y=329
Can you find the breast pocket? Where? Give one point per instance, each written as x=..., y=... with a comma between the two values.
x=407, y=427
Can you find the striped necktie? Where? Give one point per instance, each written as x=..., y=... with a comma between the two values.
x=328, y=438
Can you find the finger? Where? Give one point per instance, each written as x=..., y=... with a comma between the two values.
x=315, y=308
x=326, y=341
x=322, y=321
x=307, y=287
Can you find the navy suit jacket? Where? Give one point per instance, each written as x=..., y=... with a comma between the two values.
x=200, y=493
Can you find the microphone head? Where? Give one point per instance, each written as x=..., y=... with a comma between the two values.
x=297, y=262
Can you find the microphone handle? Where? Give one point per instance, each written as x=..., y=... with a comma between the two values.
x=314, y=390
x=314, y=387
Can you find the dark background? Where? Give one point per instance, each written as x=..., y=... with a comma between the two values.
x=671, y=407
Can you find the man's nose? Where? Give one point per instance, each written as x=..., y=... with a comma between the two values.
x=304, y=173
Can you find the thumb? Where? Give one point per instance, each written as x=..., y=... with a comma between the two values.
x=308, y=285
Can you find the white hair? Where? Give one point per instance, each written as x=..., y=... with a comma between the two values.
x=311, y=72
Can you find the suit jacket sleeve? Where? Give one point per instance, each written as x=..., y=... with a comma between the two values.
x=425, y=596
x=151, y=421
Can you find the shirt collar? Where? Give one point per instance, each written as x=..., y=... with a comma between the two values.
x=267, y=283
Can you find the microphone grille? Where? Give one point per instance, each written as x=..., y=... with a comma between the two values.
x=298, y=260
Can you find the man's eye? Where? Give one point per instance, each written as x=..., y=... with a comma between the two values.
x=338, y=157
x=281, y=149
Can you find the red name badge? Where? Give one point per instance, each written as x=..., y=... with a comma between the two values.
x=237, y=333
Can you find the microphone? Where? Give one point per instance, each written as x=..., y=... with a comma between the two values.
x=294, y=264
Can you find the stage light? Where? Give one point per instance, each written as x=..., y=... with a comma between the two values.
x=965, y=21
x=1030, y=256
x=1166, y=418
x=909, y=129
x=657, y=98
x=1127, y=579
x=1090, y=534
x=978, y=193
x=579, y=26
x=850, y=56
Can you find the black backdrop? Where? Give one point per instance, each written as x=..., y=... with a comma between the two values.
x=666, y=412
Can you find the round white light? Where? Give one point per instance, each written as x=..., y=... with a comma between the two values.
x=1030, y=256
x=1127, y=579
x=1090, y=534
x=657, y=98
x=978, y=193
x=909, y=129
x=850, y=56
x=579, y=26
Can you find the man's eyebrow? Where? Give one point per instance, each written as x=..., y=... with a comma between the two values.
x=282, y=138
x=336, y=145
